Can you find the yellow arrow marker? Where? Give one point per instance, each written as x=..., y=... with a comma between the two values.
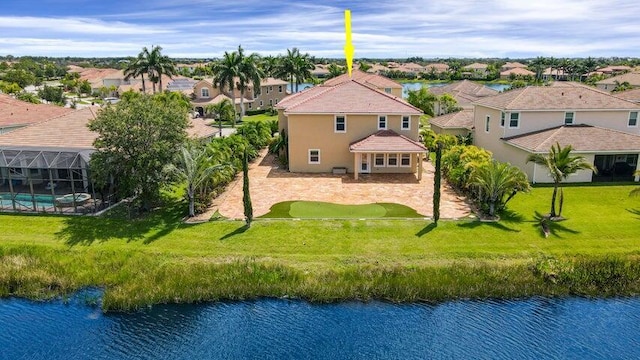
x=348, y=46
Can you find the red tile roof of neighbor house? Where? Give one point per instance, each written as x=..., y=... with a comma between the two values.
x=70, y=131
x=272, y=81
x=464, y=91
x=556, y=98
x=14, y=112
x=583, y=138
x=387, y=141
x=374, y=80
x=513, y=65
x=477, y=66
x=456, y=120
x=517, y=72
x=632, y=78
x=349, y=97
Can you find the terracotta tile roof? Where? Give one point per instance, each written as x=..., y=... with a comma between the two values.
x=387, y=141
x=67, y=131
x=457, y=120
x=70, y=131
x=556, y=98
x=517, y=71
x=438, y=67
x=476, y=66
x=218, y=98
x=631, y=78
x=350, y=97
x=513, y=65
x=272, y=81
x=94, y=74
x=374, y=80
x=14, y=112
x=583, y=138
x=465, y=92
x=629, y=95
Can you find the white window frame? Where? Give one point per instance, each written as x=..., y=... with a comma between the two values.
x=408, y=122
x=309, y=157
x=518, y=125
x=629, y=119
x=487, y=122
x=573, y=117
x=503, y=118
x=386, y=122
x=375, y=160
x=392, y=156
x=335, y=124
x=202, y=92
x=387, y=90
x=405, y=156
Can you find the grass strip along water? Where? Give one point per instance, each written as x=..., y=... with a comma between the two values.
x=158, y=259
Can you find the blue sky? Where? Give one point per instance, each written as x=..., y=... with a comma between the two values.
x=390, y=28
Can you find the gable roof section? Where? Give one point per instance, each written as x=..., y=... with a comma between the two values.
x=387, y=141
x=14, y=112
x=374, y=80
x=517, y=71
x=583, y=138
x=556, y=98
x=464, y=87
x=632, y=78
x=456, y=120
x=632, y=95
x=350, y=97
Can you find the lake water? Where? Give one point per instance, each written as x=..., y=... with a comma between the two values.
x=537, y=328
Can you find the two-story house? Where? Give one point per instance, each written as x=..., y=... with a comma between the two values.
x=351, y=126
x=373, y=80
x=602, y=128
x=272, y=91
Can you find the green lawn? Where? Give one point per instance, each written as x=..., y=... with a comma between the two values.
x=324, y=210
x=260, y=117
x=160, y=259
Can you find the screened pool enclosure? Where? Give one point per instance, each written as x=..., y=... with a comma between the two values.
x=49, y=181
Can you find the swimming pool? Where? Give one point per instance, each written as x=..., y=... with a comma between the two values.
x=26, y=200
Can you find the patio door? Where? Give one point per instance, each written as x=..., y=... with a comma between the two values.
x=365, y=163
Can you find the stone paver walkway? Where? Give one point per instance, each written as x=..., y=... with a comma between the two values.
x=270, y=185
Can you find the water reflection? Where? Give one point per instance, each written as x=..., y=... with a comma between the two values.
x=274, y=329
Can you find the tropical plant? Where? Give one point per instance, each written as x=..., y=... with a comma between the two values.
x=9, y=88
x=560, y=164
x=246, y=196
x=335, y=70
x=222, y=111
x=496, y=183
x=52, y=94
x=28, y=97
x=138, y=67
x=158, y=65
x=364, y=66
x=250, y=73
x=636, y=191
x=225, y=73
x=448, y=103
x=294, y=67
x=192, y=166
x=423, y=99
x=621, y=86
x=459, y=162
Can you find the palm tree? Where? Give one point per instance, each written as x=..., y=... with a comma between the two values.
x=423, y=99
x=250, y=73
x=223, y=110
x=158, y=65
x=269, y=65
x=496, y=183
x=225, y=73
x=560, y=164
x=636, y=191
x=295, y=67
x=335, y=70
x=138, y=67
x=192, y=166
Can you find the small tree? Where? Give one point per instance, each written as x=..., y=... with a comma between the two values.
x=437, y=178
x=560, y=164
x=136, y=139
x=246, y=197
x=52, y=94
x=497, y=183
x=423, y=99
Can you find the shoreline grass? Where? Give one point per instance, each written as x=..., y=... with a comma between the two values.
x=159, y=259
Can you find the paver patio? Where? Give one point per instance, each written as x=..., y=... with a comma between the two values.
x=270, y=184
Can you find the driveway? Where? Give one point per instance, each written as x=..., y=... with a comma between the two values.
x=271, y=184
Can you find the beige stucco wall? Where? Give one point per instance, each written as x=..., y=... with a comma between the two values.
x=317, y=132
x=274, y=95
x=539, y=120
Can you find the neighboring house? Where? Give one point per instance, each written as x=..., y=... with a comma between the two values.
x=601, y=127
x=610, y=83
x=632, y=95
x=512, y=65
x=613, y=70
x=476, y=70
x=377, y=81
x=45, y=161
x=456, y=123
x=190, y=68
x=15, y=114
x=378, y=68
x=554, y=74
x=272, y=91
x=465, y=92
x=518, y=73
x=320, y=71
x=205, y=93
x=351, y=126
x=411, y=68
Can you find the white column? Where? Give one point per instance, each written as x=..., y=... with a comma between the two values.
x=356, y=160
